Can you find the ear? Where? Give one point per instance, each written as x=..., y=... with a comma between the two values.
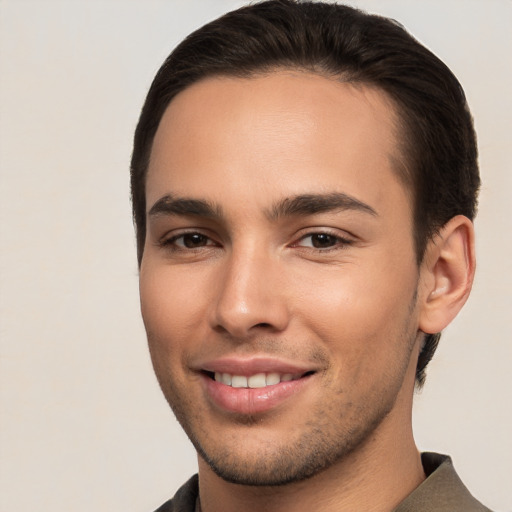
x=447, y=273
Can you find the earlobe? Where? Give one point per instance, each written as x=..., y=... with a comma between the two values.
x=447, y=274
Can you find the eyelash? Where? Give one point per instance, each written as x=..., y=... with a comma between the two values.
x=340, y=242
x=170, y=243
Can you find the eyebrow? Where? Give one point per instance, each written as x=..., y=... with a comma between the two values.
x=300, y=205
x=170, y=205
x=310, y=204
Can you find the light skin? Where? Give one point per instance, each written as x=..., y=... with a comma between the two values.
x=280, y=241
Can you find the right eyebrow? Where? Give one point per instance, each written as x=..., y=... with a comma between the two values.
x=170, y=205
x=311, y=204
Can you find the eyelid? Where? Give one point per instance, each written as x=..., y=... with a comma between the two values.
x=343, y=239
x=170, y=238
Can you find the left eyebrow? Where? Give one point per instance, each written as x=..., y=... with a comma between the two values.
x=170, y=205
x=310, y=204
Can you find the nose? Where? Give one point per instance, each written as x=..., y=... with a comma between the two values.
x=251, y=296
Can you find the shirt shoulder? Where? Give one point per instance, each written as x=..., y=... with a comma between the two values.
x=185, y=498
x=441, y=491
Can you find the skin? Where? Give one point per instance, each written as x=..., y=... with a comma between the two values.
x=337, y=292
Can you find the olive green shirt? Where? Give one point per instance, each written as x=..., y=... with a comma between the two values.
x=441, y=491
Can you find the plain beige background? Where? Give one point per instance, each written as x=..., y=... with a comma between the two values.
x=83, y=423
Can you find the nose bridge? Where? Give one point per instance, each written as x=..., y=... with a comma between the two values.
x=249, y=295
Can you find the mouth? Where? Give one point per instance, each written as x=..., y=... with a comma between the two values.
x=250, y=388
x=255, y=381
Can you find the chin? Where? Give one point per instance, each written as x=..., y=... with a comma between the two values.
x=288, y=459
x=282, y=469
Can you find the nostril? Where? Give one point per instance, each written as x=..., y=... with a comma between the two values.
x=264, y=325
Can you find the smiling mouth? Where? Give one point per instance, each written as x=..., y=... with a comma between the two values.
x=253, y=390
x=257, y=380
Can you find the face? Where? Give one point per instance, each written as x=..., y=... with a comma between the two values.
x=278, y=283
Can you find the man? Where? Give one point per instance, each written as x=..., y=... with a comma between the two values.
x=304, y=181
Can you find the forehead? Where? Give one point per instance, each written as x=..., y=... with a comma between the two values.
x=296, y=130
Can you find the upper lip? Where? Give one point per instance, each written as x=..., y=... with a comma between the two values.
x=253, y=365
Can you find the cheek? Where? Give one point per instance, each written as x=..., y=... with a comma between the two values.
x=362, y=315
x=172, y=305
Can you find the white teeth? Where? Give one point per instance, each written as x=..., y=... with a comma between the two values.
x=238, y=381
x=273, y=378
x=258, y=380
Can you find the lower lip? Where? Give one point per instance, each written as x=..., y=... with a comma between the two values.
x=252, y=400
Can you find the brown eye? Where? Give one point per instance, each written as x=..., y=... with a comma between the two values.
x=323, y=240
x=192, y=240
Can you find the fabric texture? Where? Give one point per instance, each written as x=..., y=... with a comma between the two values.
x=441, y=491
